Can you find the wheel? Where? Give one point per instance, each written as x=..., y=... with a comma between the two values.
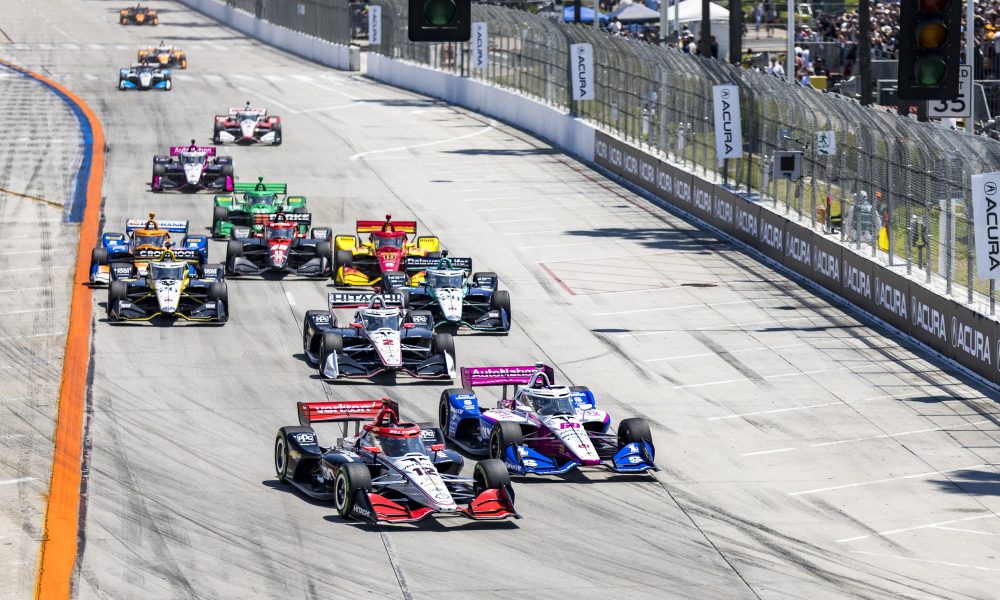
x=504, y=434
x=117, y=292
x=342, y=258
x=329, y=344
x=276, y=128
x=121, y=84
x=443, y=342
x=99, y=256
x=281, y=457
x=216, y=139
x=493, y=277
x=490, y=474
x=500, y=301
x=443, y=406
x=218, y=290
x=184, y=63
x=350, y=478
x=633, y=430
x=227, y=169
x=168, y=85
x=159, y=169
x=234, y=250
x=324, y=252
x=219, y=214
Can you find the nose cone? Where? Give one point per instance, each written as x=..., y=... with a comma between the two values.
x=389, y=260
x=247, y=127
x=279, y=255
x=450, y=300
x=145, y=79
x=192, y=173
x=386, y=343
x=168, y=294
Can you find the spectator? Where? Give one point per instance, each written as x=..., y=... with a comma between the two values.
x=758, y=16
x=713, y=47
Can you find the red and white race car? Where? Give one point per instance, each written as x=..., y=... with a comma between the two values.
x=247, y=125
x=280, y=246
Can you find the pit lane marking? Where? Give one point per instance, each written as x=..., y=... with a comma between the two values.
x=916, y=527
x=886, y=480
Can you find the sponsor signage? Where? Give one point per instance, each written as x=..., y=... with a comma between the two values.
x=890, y=298
x=826, y=258
x=986, y=215
x=798, y=249
x=771, y=235
x=746, y=221
x=374, y=25
x=702, y=193
x=728, y=130
x=930, y=318
x=724, y=209
x=856, y=279
x=582, y=71
x=973, y=340
x=480, y=44
x=647, y=172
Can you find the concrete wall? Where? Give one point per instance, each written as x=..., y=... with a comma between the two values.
x=299, y=44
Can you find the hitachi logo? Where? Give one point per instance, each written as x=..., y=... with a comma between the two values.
x=746, y=222
x=771, y=235
x=857, y=281
x=972, y=341
x=890, y=298
x=647, y=172
x=703, y=200
x=797, y=249
x=928, y=318
x=723, y=211
x=825, y=264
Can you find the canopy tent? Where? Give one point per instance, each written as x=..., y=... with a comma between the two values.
x=635, y=13
x=690, y=10
x=586, y=15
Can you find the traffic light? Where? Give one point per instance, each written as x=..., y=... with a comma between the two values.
x=440, y=20
x=930, y=38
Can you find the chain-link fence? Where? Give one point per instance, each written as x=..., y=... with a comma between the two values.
x=895, y=189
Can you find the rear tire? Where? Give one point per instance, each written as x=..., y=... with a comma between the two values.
x=490, y=474
x=329, y=344
x=227, y=169
x=219, y=292
x=350, y=478
x=633, y=430
x=504, y=434
x=324, y=252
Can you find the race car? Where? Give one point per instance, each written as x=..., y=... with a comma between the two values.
x=541, y=428
x=383, y=337
x=444, y=288
x=281, y=247
x=234, y=214
x=145, y=76
x=126, y=255
x=163, y=55
x=247, y=125
x=382, y=258
x=384, y=470
x=169, y=290
x=191, y=169
x=138, y=15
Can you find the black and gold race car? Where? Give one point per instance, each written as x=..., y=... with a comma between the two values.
x=172, y=287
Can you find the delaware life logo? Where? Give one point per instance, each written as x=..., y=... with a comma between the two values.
x=582, y=71
x=728, y=128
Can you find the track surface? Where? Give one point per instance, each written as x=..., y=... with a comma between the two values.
x=804, y=454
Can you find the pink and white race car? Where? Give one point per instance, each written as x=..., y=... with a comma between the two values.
x=192, y=169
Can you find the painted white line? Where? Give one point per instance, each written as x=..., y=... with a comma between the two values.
x=811, y=406
x=704, y=354
x=524, y=208
x=35, y=269
x=596, y=258
x=90, y=77
x=899, y=434
x=767, y=452
x=723, y=326
x=27, y=311
x=486, y=129
x=917, y=527
x=554, y=246
x=121, y=47
x=14, y=481
x=44, y=46
x=274, y=78
x=653, y=289
x=291, y=299
x=33, y=335
x=311, y=81
x=40, y=250
x=931, y=562
x=30, y=289
x=768, y=377
x=96, y=46
x=886, y=480
x=960, y=530
x=220, y=48
x=563, y=230
x=683, y=307
x=334, y=107
x=70, y=46
x=562, y=218
x=268, y=99
x=491, y=199
x=243, y=77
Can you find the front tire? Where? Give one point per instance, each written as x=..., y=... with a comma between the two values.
x=350, y=478
x=504, y=434
x=490, y=474
x=633, y=430
x=234, y=250
x=219, y=215
x=443, y=342
x=117, y=292
x=329, y=344
x=324, y=252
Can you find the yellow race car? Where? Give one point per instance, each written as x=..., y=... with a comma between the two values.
x=164, y=56
x=138, y=15
x=171, y=288
x=382, y=257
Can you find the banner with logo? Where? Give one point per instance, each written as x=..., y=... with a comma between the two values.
x=986, y=214
x=374, y=25
x=582, y=71
x=480, y=45
x=728, y=130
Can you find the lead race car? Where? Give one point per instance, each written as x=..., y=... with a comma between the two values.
x=169, y=290
x=382, y=258
x=191, y=169
x=541, y=428
x=145, y=76
x=444, y=288
x=281, y=247
x=247, y=125
x=126, y=255
x=385, y=470
x=383, y=337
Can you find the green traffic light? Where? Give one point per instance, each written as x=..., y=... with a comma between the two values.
x=930, y=70
x=439, y=12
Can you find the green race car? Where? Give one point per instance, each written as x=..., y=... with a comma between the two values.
x=235, y=214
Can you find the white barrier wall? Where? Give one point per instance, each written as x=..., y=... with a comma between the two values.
x=562, y=130
x=300, y=44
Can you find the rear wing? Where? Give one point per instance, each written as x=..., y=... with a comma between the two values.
x=360, y=299
x=185, y=254
x=343, y=410
x=408, y=227
x=235, y=111
x=260, y=186
x=171, y=226
x=422, y=263
x=300, y=218
x=177, y=150
x=491, y=376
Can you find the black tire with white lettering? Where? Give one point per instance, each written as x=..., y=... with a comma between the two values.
x=490, y=474
x=350, y=478
x=281, y=451
x=219, y=292
x=500, y=300
x=504, y=434
x=633, y=430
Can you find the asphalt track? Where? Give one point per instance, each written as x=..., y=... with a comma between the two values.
x=803, y=453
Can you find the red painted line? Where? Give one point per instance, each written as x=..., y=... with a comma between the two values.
x=59, y=541
x=546, y=268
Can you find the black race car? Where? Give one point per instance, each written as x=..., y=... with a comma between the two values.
x=191, y=169
x=280, y=246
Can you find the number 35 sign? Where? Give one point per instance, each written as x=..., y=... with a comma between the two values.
x=960, y=106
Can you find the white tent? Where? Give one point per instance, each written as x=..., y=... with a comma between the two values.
x=690, y=10
x=690, y=15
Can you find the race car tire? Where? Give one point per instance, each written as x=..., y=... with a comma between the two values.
x=342, y=258
x=217, y=129
x=300, y=210
x=330, y=343
x=405, y=302
x=633, y=430
x=219, y=292
x=219, y=213
x=490, y=474
x=444, y=408
x=184, y=63
x=234, y=250
x=433, y=255
x=443, y=342
x=500, y=300
x=350, y=478
x=121, y=84
x=117, y=292
x=99, y=256
x=504, y=434
x=227, y=168
x=159, y=169
x=324, y=252
x=276, y=128
x=167, y=85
